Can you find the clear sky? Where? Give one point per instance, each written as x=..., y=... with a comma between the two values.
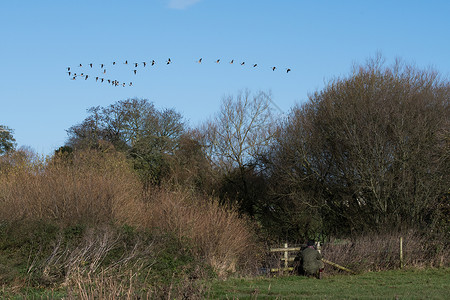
x=316, y=39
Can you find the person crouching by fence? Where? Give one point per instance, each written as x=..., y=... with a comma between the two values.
x=308, y=261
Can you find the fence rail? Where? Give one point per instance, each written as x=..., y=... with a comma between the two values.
x=285, y=258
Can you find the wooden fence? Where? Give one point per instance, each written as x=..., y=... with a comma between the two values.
x=287, y=258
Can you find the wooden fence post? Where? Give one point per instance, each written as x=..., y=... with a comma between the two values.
x=286, y=256
x=401, y=252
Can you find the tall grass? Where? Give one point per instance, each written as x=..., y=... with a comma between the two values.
x=89, y=188
x=218, y=234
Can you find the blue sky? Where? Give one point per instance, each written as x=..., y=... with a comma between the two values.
x=318, y=40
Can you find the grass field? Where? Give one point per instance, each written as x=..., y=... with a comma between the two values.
x=399, y=284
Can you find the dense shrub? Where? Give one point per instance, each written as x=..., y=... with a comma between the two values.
x=368, y=152
x=83, y=218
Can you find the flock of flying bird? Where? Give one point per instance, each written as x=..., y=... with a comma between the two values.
x=74, y=75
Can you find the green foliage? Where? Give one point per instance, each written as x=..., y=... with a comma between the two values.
x=7, y=141
x=34, y=293
x=148, y=136
x=175, y=260
x=39, y=254
x=27, y=236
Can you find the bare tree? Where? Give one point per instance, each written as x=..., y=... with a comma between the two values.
x=241, y=130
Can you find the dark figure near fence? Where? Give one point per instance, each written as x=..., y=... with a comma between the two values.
x=308, y=261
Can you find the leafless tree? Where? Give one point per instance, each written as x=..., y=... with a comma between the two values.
x=241, y=130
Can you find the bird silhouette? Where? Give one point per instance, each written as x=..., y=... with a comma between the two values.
x=153, y=62
x=123, y=84
x=144, y=63
x=131, y=84
x=169, y=61
x=90, y=65
x=135, y=65
x=134, y=72
x=102, y=79
x=273, y=68
x=69, y=73
x=73, y=78
x=104, y=71
x=114, y=63
x=242, y=63
x=254, y=66
x=80, y=65
x=200, y=61
x=288, y=70
x=68, y=68
x=85, y=78
x=109, y=80
x=232, y=61
x=101, y=66
x=217, y=61
x=126, y=62
x=96, y=78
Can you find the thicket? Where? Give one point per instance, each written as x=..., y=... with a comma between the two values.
x=368, y=153
x=83, y=220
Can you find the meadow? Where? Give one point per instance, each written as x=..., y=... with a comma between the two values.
x=394, y=284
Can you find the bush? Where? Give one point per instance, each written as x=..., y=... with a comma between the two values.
x=91, y=187
x=82, y=219
x=217, y=234
x=368, y=151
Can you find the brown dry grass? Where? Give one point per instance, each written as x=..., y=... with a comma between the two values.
x=104, y=285
x=218, y=234
x=100, y=187
x=90, y=188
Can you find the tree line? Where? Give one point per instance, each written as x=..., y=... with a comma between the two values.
x=369, y=152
